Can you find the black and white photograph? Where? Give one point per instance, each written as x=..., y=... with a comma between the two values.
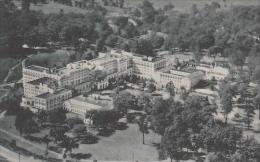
x=129, y=80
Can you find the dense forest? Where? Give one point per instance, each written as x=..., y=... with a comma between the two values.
x=234, y=33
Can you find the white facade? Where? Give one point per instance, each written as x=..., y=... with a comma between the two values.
x=213, y=72
x=142, y=66
x=47, y=101
x=80, y=104
x=180, y=79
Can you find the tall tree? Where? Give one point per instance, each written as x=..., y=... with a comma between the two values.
x=124, y=101
x=170, y=88
x=257, y=103
x=249, y=114
x=24, y=121
x=69, y=144
x=143, y=126
x=226, y=102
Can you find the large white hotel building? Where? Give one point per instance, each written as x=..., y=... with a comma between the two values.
x=47, y=89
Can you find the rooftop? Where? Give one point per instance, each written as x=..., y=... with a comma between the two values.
x=102, y=101
x=44, y=80
x=37, y=68
x=48, y=94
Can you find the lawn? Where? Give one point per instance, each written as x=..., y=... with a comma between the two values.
x=58, y=58
x=185, y=5
x=53, y=8
x=123, y=145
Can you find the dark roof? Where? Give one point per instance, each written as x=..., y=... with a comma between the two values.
x=37, y=68
x=44, y=80
x=48, y=94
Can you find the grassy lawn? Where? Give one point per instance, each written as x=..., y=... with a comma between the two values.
x=123, y=145
x=58, y=58
x=184, y=5
x=53, y=8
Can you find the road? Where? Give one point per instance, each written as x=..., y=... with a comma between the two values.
x=19, y=138
x=14, y=157
x=11, y=70
x=2, y=115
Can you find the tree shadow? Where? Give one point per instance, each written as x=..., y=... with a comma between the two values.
x=120, y=126
x=80, y=156
x=106, y=132
x=89, y=139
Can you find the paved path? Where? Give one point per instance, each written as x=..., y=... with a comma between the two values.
x=2, y=115
x=10, y=72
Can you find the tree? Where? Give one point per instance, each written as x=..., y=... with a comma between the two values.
x=221, y=137
x=170, y=88
x=162, y=113
x=144, y=47
x=143, y=126
x=24, y=121
x=237, y=57
x=129, y=31
x=57, y=116
x=151, y=87
x=216, y=157
x=174, y=140
x=226, y=102
x=249, y=114
x=148, y=11
x=194, y=10
x=121, y=21
x=197, y=113
x=26, y=5
x=42, y=117
x=121, y=3
x=111, y=40
x=247, y=151
x=69, y=144
x=58, y=133
x=124, y=101
x=257, y=103
x=206, y=41
x=157, y=41
x=103, y=119
x=46, y=140
x=96, y=76
x=137, y=13
x=30, y=126
x=168, y=7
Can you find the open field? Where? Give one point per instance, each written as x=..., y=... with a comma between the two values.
x=184, y=5
x=181, y=5
x=123, y=145
x=56, y=58
x=54, y=8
